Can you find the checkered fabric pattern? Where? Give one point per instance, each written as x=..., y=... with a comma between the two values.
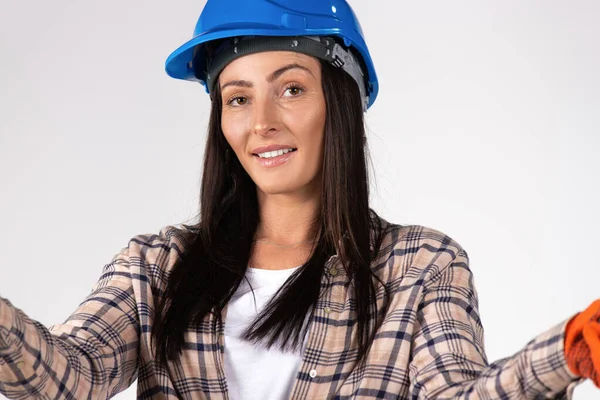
x=429, y=346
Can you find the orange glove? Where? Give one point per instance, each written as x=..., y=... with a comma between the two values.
x=582, y=343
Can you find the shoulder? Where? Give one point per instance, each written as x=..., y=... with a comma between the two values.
x=159, y=251
x=409, y=239
x=168, y=238
x=418, y=248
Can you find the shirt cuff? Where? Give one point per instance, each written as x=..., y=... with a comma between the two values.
x=549, y=359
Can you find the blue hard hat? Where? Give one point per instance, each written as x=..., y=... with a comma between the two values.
x=222, y=19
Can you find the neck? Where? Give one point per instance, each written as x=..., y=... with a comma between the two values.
x=287, y=219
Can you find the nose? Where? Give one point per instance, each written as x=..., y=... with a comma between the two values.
x=266, y=119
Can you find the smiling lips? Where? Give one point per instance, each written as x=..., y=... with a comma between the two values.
x=273, y=155
x=274, y=158
x=271, y=147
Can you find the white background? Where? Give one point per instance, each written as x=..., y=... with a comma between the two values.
x=487, y=127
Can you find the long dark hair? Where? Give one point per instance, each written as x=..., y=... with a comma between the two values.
x=213, y=265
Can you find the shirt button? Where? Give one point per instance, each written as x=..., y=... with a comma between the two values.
x=333, y=271
x=20, y=364
x=327, y=310
x=312, y=373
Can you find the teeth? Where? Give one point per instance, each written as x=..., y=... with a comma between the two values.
x=275, y=153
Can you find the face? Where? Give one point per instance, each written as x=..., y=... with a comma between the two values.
x=274, y=119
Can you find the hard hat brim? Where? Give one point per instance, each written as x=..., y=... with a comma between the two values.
x=179, y=63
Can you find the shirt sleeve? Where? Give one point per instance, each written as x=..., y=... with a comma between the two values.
x=92, y=355
x=448, y=357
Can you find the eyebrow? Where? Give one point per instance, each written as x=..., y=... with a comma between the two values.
x=270, y=78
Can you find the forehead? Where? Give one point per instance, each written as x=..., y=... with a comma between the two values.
x=264, y=63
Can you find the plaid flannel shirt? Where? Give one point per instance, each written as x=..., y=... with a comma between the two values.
x=429, y=346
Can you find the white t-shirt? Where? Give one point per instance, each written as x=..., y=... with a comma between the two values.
x=253, y=372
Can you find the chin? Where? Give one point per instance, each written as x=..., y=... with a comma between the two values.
x=276, y=188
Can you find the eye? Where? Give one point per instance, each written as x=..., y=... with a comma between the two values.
x=237, y=101
x=294, y=90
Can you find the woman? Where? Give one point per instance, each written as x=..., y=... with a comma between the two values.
x=289, y=286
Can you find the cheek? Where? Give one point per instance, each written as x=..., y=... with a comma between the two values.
x=308, y=119
x=234, y=132
x=314, y=129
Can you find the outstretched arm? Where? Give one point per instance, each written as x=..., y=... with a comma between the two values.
x=448, y=357
x=93, y=354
